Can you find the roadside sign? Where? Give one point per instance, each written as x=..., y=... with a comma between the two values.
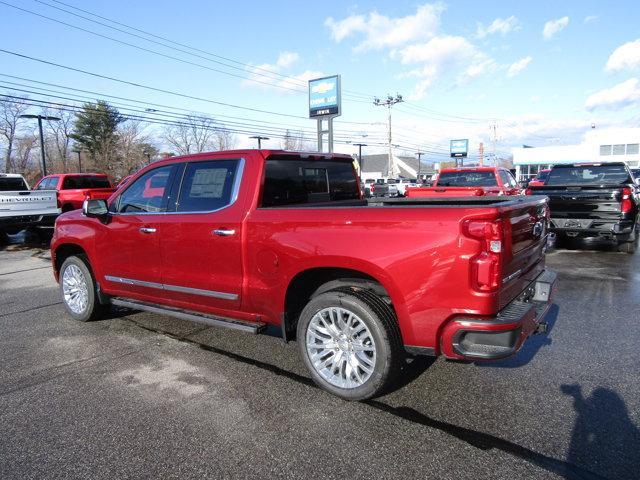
x=459, y=148
x=324, y=97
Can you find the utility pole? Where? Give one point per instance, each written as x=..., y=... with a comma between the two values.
x=419, y=164
x=40, y=118
x=494, y=127
x=389, y=102
x=79, y=152
x=360, y=145
x=259, y=138
x=481, y=154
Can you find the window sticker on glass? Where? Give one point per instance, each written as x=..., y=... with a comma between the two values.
x=208, y=183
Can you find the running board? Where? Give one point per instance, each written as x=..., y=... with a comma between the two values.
x=190, y=315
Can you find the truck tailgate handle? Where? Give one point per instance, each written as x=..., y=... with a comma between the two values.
x=147, y=230
x=221, y=232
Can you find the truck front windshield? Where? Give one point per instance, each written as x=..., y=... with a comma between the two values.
x=467, y=179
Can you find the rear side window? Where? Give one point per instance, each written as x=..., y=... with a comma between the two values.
x=467, y=179
x=207, y=186
x=85, y=182
x=589, y=175
x=299, y=182
x=8, y=184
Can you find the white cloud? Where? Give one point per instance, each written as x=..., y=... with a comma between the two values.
x=272, y=76
x=517, y=67
x=554, y=26
x=499, y=25
x=438, y=50
x=286, y=59
x=625, y=57
x=590, y=18
x=623, y=95
x=380, y=31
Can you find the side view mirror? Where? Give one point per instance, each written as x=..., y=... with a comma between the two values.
x=95, y=208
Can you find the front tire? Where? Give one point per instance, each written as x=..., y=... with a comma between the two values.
x=79, y=290
x=350, y=342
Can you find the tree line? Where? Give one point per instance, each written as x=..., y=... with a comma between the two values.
x=96, y=137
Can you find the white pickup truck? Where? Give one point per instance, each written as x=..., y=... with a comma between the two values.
x=22, y=208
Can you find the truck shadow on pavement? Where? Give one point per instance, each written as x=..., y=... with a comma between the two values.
x=530, y=348
x=477, y=439
x=604, y=438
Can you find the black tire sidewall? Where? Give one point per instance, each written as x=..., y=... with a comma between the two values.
x=88, y=314
x=383, y=366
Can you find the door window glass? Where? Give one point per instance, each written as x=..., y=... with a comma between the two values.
x=147, y=193
x=207, y=186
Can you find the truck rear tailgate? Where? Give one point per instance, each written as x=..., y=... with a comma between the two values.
x=28, y=202
x=526, y=228
x=591, y=204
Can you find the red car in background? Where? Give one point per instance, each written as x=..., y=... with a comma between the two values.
x=540, y=179
x=74, y=188
x=469, y=181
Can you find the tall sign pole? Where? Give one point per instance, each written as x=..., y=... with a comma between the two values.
x=325, y=104
x=389, y=102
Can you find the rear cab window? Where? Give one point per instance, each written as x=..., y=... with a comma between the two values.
x=8, y=184
x=578, y=175
x=85, y=181
x=291, y=181
x=467, y=179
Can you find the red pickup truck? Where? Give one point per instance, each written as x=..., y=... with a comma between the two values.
x=74, y=188
x=262, y=240
x=469, y=181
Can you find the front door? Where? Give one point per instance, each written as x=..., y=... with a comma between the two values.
x=201, y=244
x=130, y=251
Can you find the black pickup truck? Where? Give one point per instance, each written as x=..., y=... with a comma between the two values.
x=590, y=200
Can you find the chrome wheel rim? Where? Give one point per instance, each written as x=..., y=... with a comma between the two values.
x=74, y=289
x=341, y=347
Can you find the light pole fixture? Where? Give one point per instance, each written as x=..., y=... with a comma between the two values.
x=40, y=118
x=259, y=138
x=360, y=145
x=79, y=152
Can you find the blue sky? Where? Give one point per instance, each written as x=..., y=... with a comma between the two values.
x=543, y=71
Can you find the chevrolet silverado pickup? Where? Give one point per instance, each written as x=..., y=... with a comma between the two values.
x=74, y=188
x=21, y=208
x=469, y=181
x=594, y=200
x=264, y=241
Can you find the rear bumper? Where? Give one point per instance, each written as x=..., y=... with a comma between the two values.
x=591, y=227
x=24, y=221
x=468, y=338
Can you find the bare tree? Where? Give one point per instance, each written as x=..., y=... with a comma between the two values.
x=10, y=111
x=58, y=138
x=25, y=158
x=198, y=133
x=294, y=141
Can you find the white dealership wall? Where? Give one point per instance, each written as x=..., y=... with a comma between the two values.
x=528, y=161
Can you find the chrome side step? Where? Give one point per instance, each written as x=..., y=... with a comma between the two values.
x=190, y=315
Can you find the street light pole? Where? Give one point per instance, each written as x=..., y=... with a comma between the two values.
x=78, y=151
x=259, y=138
x=40, y=118
x=419, y=164
x=360, y=145
x=389, y=102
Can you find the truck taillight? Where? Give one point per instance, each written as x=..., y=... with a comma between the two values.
x=626, y=205
x=372, y=188
x=486, y=267
x=528, y=191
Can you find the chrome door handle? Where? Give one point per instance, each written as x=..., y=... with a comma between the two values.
x=147, y=230
x=224, y=233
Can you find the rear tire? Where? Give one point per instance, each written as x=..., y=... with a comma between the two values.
x=631, y=245
x=350, y=342
x=78, y=289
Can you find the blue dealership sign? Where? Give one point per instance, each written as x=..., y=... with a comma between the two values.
x=324, y=97
x=459, y=148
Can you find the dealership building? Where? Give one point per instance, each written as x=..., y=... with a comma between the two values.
x=599, y=145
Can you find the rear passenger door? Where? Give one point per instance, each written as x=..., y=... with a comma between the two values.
x=201, y=243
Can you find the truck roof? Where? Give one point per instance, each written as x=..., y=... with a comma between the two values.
x=87, y=174
x=11, y=175
x=252, y=151
x=471, y=169
x=589, y=164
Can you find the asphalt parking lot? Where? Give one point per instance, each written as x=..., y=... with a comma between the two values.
x=144, y=396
